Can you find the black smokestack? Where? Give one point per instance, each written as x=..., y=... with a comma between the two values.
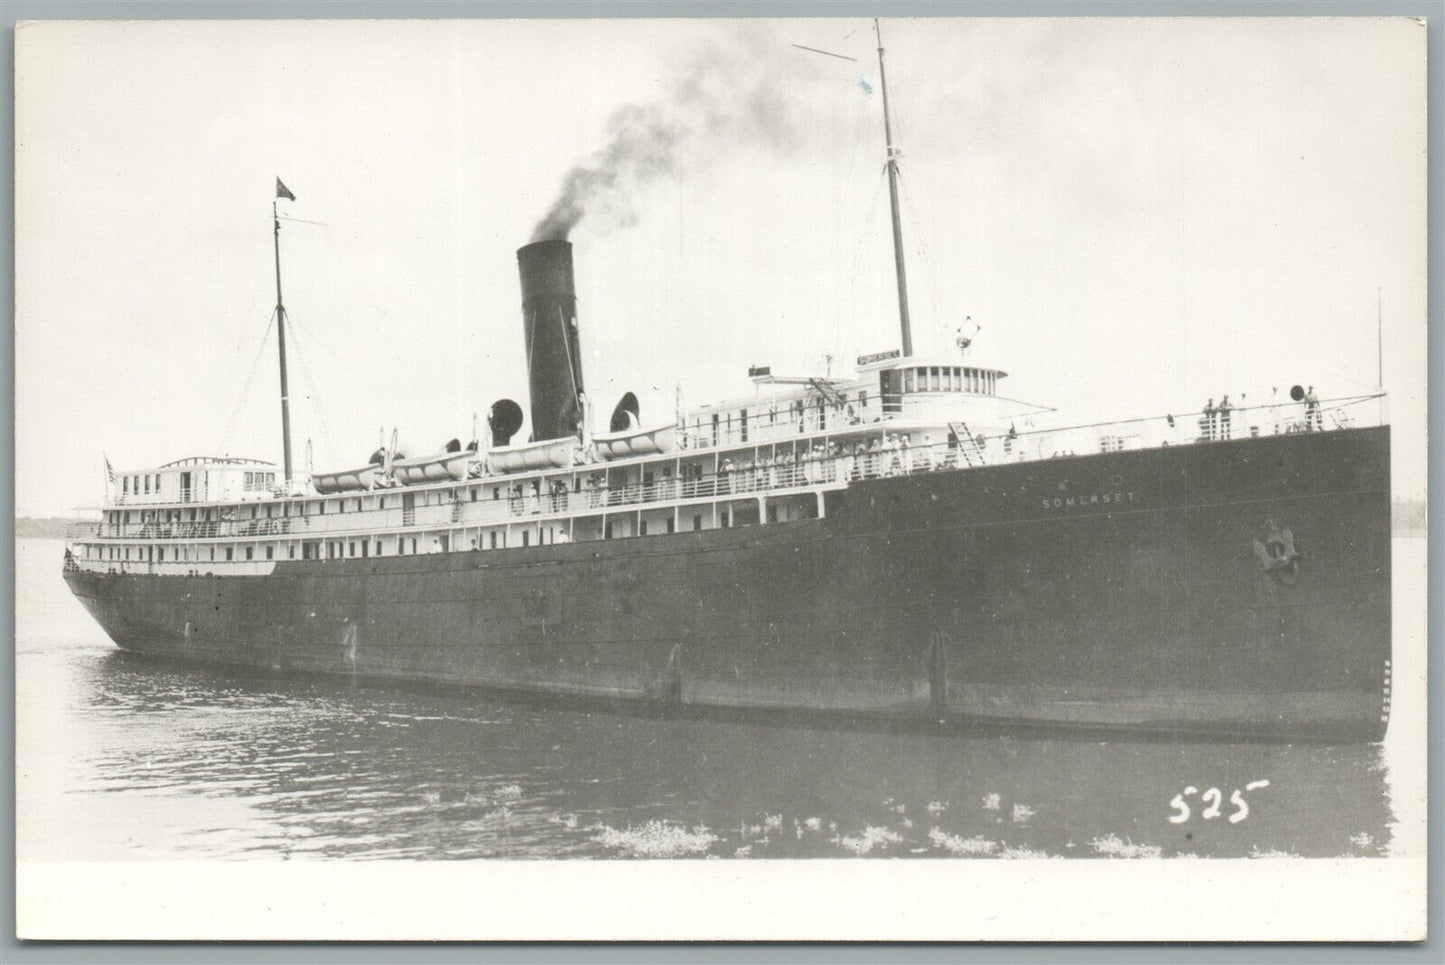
x=549, y=324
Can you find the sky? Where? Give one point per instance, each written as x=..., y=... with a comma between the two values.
x=1138, y=215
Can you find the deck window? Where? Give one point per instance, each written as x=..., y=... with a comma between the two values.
x=250, y=552
x=933, y=383
x=909, y=381
x=270, y=552
x=230, y=553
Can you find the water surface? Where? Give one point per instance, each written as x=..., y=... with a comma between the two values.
x=125, y=757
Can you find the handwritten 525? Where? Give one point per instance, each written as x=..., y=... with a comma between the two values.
x=1212, y=802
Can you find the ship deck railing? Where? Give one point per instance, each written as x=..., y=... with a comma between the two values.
x=753, y=472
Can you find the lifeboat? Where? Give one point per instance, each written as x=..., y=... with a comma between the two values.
x=547, y=454
x=435, y=468
x=347, y=480
x=636, y=441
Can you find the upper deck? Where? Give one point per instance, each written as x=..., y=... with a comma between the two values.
x=198, y=479
x=758, y=479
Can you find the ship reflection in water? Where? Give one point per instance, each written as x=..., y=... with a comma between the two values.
x=138, y=758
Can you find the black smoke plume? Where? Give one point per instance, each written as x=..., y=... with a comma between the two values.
x=742, y=92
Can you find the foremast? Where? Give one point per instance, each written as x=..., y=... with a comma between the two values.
x=282, y=192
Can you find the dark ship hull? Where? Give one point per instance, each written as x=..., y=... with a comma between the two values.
x=1227, y=589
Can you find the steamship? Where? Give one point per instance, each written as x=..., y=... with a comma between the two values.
x=883, y=547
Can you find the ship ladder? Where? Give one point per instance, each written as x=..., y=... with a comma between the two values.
x=968, y=444
x=828, y=392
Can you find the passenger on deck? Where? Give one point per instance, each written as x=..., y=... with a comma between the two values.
x=1224, y=409
x=924, y=461
x=1313, y=419
x=744, y=477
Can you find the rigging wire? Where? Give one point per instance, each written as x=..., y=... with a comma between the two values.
x=860, y=120
x=929, y=272
x=315, y=396
x=246, y=387
x=317, y=341
x=856, y=264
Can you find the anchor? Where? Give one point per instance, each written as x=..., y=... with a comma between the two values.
x=1277, y=553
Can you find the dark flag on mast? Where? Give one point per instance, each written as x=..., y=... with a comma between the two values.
x=284, y=192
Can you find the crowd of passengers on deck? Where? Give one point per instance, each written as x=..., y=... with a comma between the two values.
x=822, y=464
